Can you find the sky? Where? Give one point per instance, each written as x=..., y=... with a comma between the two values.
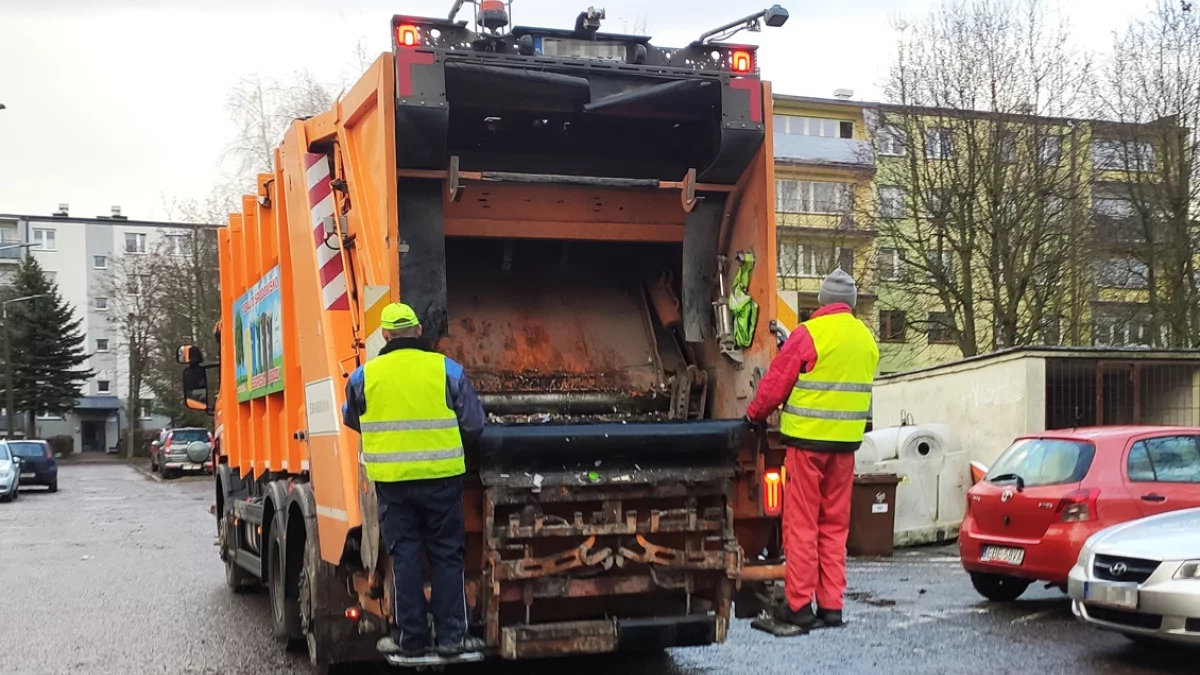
x=122, y=102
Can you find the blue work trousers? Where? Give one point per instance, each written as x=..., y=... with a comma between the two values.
x=426, y=513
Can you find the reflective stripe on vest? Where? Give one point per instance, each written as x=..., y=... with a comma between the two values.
x=409, y=432
x=833, y=402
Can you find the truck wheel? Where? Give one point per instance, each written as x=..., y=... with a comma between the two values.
x=283, y=589
x=999, y=587
x=238, y=579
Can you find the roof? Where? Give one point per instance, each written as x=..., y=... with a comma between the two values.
x=1063, y=353
x=1111, y=433
x=107, y=220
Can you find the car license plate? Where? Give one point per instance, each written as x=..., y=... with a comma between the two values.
x=1111, y=594
x=27, y=475
x=191, y=467
x=1004, y=554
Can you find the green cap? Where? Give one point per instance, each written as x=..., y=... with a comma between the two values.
x=398, y=315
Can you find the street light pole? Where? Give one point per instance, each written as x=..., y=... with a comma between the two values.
x=10, y=403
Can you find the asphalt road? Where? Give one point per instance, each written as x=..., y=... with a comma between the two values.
x=118, y=573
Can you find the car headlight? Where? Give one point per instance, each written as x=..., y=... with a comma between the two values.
x=1189, y=570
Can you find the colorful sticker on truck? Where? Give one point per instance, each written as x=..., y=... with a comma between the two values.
x=258, y=339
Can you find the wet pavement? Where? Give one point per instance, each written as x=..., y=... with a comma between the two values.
x=118, y=573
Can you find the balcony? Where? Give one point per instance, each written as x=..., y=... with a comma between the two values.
x=823, y=151
x=9, y=251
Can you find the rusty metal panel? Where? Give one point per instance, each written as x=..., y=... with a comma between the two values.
x=558, y=639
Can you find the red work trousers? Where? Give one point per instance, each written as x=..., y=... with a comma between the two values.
x=816, y=524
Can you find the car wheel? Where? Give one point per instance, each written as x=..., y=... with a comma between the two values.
x=999, y=587
x=7, y=498
x=54, y=485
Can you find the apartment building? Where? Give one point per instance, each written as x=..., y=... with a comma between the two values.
x=77, y=253
x=883, y=192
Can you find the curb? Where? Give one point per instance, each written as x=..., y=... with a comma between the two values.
x=145, y=471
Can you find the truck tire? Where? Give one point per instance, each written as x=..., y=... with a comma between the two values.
x=999, y=587
x=283, y=590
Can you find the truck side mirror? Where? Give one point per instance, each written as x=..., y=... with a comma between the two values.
x=189, y=355
x=195, y=388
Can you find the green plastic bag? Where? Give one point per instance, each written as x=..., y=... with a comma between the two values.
x=743, y=307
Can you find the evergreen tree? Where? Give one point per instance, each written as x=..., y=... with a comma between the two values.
x=48, y=349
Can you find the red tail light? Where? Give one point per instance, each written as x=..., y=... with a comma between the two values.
x=773, y=493
x=49, y=454
x=1078, y=506
x=407, y=36
x=742, y=61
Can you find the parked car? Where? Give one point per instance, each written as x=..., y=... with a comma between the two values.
x=182, y=451
x=1028, y=519
x=37, y=463
x=1142, y=578
x=10, y=475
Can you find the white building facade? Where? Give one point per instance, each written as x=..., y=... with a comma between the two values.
x=77, y=253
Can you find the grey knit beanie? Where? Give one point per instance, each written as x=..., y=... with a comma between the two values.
x=838, y=287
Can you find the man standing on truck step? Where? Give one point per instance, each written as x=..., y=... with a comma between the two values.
x=414, y=408
x=822, y=377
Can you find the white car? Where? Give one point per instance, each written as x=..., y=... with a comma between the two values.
x=1142, y=578
x=10, y=475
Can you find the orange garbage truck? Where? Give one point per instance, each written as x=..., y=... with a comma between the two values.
x=583, y=220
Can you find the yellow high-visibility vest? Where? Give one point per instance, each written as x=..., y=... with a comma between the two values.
x=409, y=432
x=833, y=401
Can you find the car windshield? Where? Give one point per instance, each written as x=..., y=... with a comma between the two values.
x=27, y=449
x=4, y=454
x=1043, y=461
x=189, y=435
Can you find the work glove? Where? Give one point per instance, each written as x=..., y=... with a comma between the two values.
x=753, y=425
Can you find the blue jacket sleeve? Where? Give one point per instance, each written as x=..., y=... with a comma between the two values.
x=356, y=402
x=461, y=397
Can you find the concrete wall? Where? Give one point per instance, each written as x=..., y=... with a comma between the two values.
x=987, y=403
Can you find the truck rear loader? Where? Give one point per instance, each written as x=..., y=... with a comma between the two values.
x=583, y=220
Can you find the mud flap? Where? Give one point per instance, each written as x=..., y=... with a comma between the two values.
x=776, y=628
x=432, y=660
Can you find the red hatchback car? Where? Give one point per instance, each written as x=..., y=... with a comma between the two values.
x=1031, y=514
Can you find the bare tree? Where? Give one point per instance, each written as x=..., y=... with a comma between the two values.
x=262, y=108
x=1147, y=162
x=980, y=188
x=134, y=293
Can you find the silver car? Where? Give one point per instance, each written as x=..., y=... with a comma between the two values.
x=1142, y=578
x=10, y=475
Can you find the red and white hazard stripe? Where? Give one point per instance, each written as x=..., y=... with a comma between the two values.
x=329, y=259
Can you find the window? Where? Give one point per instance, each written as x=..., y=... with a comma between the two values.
x=939, y=265
x=891, y=264
x=179, y=244
x=792, y=196
x=1171, y=459
x=100, y=262
x=815, y=260
x=890, y=141
x=103, y=386
x=101, y=303
x=937, y=202
x=136, y=284
x=1113, y=207
x=101, y=344
x=1050, y=149
x=49, y=416
x=1008, y=147
x=135, y=242
x=939, y=143
x=1118, y=272
x=1119, y=156
x=940, y=329
x=893, y=326
x=1043, y=461
x=892, y=201
x=795, y=125
x=1112, y=329
x=43, y=238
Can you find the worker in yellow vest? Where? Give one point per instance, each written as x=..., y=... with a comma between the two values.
x=414, y=409
x=822, y=377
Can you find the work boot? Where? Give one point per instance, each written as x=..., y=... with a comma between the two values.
x=829, y=618
x=388, y=646
x=467, y=645
x=803, y=619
